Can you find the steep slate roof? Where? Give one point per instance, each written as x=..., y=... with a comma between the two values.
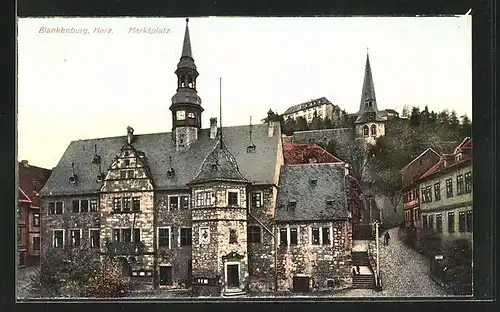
x=31, y=181
x=187, y=55
x=306, y=105
x=368, y=94
x=219, y=165
x=311, y=200
x=297, y=153
x=258, y=167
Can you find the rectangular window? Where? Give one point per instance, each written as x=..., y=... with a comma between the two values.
x=93, y=205
x=123, y=174
x=461, y=221
x=127, y=203
x=186, y=239
x=460, y=184
x=36, y=219
x=164, y=237
x=426, y=194
x=294, y=238
x=256, y=199
x=283, y=237
x=95, y=238
x=59, y=207
x=232, y=199
x=58, y=238
x=437, y=191
x=126, y=162
x=75, y=238
x=468, y=182
x=200, y=199
x=174, y=203
x=117, y=204
x=130, y=174
x=439, y=223
x=326, y=235
x=35, y=243
x=451, y=222
x=116, y=235
x=254, y=234
x=184, y=202
x=449, y=188
x=232, y=236
x=424, y=222
x=136, y=235
x=84, y=205
x=315, y=236
x=469, y=220
x=136, y=204
x=431, y=222
x=126, y=235
x=52, y=208
x=208, y=198
x=76, y=206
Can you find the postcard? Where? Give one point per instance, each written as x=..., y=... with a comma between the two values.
x=244, y=157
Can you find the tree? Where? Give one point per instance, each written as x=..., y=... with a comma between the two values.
x=424, y=116
x=289, y=126
x=415, y=117
x=327, y=123
x=443, y=118
x=73, y=271
x=301, y=124
x=316, y=122
x=406, y=111
x=465, y=126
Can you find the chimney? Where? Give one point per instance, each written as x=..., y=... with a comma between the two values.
x=213, y=128
x=130, y=134
x=346, y=170
x=25, y=163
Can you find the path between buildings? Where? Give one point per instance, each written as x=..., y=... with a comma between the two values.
x=405, y=273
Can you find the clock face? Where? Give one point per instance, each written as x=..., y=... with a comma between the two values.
x=181, y=115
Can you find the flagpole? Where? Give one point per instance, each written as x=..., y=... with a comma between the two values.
x=220, y=109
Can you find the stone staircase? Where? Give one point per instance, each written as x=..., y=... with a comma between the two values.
x=366, y=279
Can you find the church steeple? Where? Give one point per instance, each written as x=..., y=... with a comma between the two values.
x=368, y=105
x=186, y=104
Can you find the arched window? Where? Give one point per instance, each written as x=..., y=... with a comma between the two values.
x=365, y=130
x=374, y=130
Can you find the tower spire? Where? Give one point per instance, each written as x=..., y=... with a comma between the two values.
x=220, y=109
x=368, y=99
x=187, y=60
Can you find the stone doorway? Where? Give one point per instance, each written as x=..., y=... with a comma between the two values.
x=166, y=276
x=301, y=284
x=232, y=275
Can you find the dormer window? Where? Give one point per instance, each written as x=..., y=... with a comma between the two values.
x=126, y=162
x=313, y=182
x=72, y=179
x=170, y=172
x=458, y=157
x=100, y=177
x=214, y=166
x=292, y=204
x=329, y=203
x=251, y=149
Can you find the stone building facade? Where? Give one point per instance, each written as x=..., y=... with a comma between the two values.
x=192, y=207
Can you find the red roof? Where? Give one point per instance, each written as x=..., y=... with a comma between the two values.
x=31, y=181
x=295, y=154
x=450, y=159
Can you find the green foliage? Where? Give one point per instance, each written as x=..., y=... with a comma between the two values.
x=73, y=272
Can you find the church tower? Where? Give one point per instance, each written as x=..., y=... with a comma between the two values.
x=186, y=104
x=369, y=124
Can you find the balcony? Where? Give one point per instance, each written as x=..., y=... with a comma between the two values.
x=125, y=248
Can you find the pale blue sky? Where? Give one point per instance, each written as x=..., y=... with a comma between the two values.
x=73, y=86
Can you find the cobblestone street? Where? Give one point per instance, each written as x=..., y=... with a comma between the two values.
x=405, y=273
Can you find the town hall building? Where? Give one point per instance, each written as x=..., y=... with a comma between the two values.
x=214, y=209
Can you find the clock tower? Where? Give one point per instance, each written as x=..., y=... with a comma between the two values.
x=186, y=104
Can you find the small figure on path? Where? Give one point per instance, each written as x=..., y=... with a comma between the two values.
x=386, y=238
x=357, y=269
